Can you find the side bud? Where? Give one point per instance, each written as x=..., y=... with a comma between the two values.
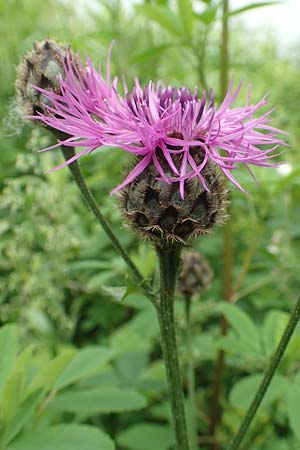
x=39, y=68
x=195, y=276
x=156, y=210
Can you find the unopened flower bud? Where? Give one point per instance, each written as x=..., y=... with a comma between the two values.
x=157, y=210
x=40, y=68
x=196, y=274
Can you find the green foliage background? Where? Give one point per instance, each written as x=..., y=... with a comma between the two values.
x=79, y=363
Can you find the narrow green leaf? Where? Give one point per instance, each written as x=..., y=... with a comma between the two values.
x=13, y=389
x=22, y=416
x=99, y=401
x=293, y=402
x=90, y=264
x=146, y=436
x=11, y=395
x=86, y=362
x=47, y=377
x=253, y=6
x=64, y=437
x=150, y=53
x=208, y=16
x=164, y=16
x=185, y=9
x=8, y=351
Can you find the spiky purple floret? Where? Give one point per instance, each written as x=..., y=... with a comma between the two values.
x=158, y=120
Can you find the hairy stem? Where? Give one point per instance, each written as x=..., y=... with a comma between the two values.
x=227, y=237
x=191, y=376
x=269, y=373
x=168, y=264
x=68, y=152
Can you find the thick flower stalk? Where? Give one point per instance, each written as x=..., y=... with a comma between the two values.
x=159, y=125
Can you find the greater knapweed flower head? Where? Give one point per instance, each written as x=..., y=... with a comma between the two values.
x=195, y=276
x=181, y=140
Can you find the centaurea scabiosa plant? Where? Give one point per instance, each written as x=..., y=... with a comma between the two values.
x=183, y=147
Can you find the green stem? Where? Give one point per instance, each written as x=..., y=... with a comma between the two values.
x=168, y=264
x=224, y=49
x=68, y=152
x=269, y=373
x=191, y=376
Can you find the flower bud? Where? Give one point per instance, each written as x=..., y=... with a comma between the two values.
x=156, y=209
x=40, y=68
x=196, y=274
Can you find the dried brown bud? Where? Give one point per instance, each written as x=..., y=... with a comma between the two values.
x=41, y=68
x=157, y=211
x=196, y=274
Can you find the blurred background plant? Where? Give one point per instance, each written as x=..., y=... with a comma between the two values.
x=63, y=285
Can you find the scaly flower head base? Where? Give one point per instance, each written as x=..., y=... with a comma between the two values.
x=156, y=120
x=156, y=210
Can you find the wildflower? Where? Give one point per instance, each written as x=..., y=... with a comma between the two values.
x=184, y=145
x=159, y=125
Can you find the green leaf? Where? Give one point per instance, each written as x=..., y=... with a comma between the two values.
x=208, y=16
x=273, y=328
x=244, y=390
x=24, y=359
x=146, y=324
x=242, y=325
x=116, y=292
x=90, y=264
x=126, y=339
x=185, y=8
x=137, y=301
x=13, y=390
x=293, y=402
x=86, y=362
x=204, y=347
x=253, y=6
x=8, y=351
x=11, y=395
x=22, y=416
x=136, y=335
x=276, y=443
x=99, y=401
x=146, y=436
x=47, y=377
x=64, y=437
x=150, y=53
x=164, y=16
x=130, y=366
x=155, y=371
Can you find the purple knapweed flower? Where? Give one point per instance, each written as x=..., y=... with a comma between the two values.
x=157, y=120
